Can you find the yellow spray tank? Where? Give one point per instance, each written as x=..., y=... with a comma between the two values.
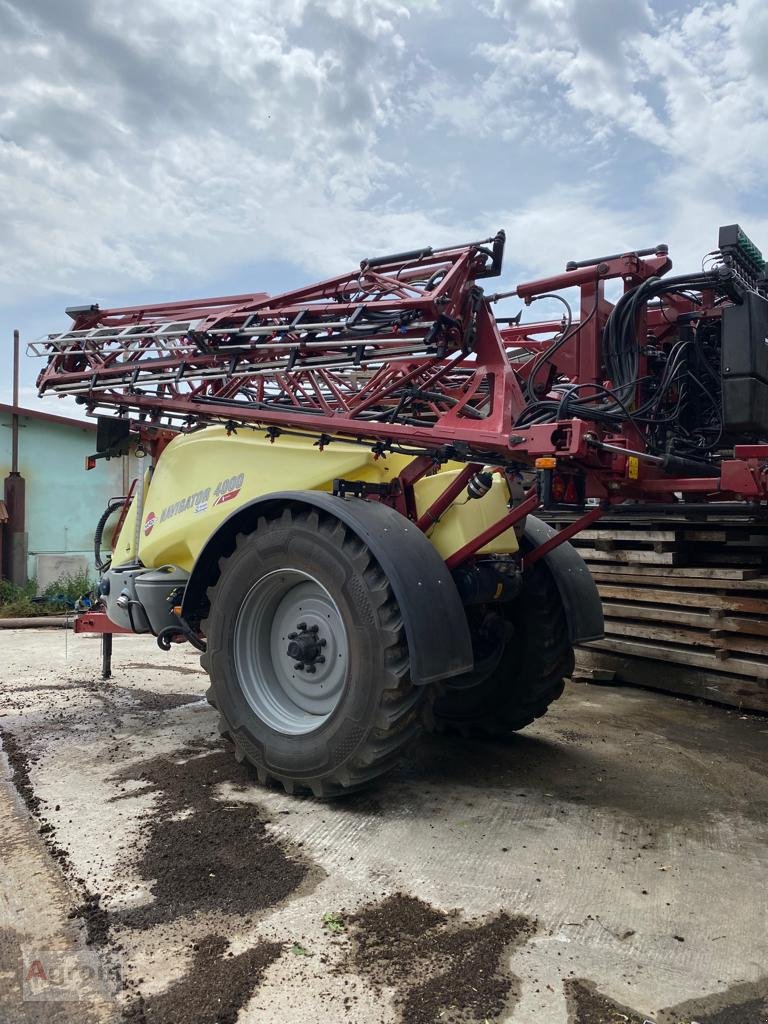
x=204, y=476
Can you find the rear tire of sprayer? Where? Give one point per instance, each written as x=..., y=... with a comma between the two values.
x=307, y=657
x=527, y=675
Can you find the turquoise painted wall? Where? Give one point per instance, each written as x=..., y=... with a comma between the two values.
x=64, y=501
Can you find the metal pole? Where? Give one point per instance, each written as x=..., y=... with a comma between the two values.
x=14, y=492
x=106, y=655
x=15, y=415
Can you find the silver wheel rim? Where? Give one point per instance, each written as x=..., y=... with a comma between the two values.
x=290, y=699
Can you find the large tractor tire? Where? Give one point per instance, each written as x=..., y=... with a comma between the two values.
x=307, y=657
x=524, y=656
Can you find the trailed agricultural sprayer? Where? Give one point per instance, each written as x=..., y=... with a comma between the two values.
x=338, y=507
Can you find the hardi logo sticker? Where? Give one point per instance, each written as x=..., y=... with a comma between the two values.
x=149, y=523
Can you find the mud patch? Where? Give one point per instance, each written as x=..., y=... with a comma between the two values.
x=441, y=967
x=740, y=1004
x=214, y=989
x=20, y=763
x=89, y=911
x=153, y=701
x=183, y=670
x=588, y=1006
x=204, y=854
x=72, y=684
x=94, y=917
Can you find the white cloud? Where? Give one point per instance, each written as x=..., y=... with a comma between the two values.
x=164, y=139
x=716, y=111
x=683, y=83
x=157, y=144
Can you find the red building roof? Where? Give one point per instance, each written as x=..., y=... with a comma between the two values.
x=38, y=414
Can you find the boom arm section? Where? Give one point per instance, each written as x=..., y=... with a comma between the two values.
x=640, y=399
x=402, y=350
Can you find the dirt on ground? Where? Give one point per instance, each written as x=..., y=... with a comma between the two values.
x=214, y=989
x=602, y=868
x=201, y=853
x=587, y=1006
x=743, y=1004
x=440, y=966
x=19, y=762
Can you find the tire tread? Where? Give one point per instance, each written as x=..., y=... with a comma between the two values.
x=397, y=720
x=510, y=700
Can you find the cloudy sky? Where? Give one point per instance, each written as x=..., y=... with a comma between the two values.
x=164, y=148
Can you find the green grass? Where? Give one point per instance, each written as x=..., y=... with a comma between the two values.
x=57, y=598
x=333, y=922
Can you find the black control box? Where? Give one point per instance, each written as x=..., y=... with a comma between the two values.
x=745, y=367
x=112, y=436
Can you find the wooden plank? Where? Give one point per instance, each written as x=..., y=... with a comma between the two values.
x=649, y=536
x=603, y=574
x=740, y=642
x=678, y=535
x=719, y=626
x=620, y=545
x=684, y=656
x=733, y=691
x=668, y=634
x=685, y=598
x=738, y=624
x=630, y=557
x=748, y=540
x=729, y=557
x=692, y=535
x=705, y=531
x=653, y=613
x=720, y=577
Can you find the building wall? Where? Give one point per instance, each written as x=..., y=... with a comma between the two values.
x=63, y=500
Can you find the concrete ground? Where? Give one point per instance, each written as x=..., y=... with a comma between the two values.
x=607, y=865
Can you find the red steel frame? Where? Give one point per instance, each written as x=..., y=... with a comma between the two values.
x=404, y=354
x=97, y=622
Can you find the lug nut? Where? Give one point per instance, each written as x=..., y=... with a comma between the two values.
x=292, y=636
x=314, y=629
x=299, y=665
x=301, y=626
x=320, y=659
x=311, y=668
x=323, y=642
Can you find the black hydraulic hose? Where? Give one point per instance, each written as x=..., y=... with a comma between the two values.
x=112, y=506
x=129, y=609
x=620, y=337
x=547, y=354
x=183, y=627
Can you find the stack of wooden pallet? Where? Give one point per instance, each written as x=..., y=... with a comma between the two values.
x=685, y=603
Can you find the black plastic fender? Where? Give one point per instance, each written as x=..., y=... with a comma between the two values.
x=436, y=626
x=578, y=592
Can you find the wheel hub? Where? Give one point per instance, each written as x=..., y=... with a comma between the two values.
x=305, y=647
x=291, y=651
